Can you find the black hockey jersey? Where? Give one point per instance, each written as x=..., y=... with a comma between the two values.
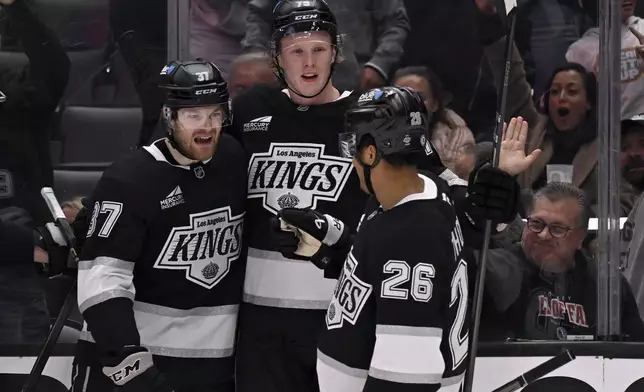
x=294, y=161
x=399, y=317
x=162, y=266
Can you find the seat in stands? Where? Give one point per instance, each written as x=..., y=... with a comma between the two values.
x=74, y=181
x=93, y=134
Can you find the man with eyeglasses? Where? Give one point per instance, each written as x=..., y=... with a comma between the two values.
x=544, y=287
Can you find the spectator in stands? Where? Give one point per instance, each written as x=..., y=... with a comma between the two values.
x=216, y=30
x=248, y=70
x=632, y=252
x=632, y=156
x=33, y=93
x=140, y=32
x=23, y=315
x=586, y=52
x=449, y=133
x=566, y=129
x=444, y=38
x=544, y=31
x=374, y=33
x=544, y=287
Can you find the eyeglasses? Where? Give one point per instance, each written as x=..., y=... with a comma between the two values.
x=557, y=231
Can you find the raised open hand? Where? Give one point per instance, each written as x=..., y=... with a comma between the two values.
x=513, y=159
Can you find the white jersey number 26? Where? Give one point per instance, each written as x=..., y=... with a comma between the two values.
x=421, y=291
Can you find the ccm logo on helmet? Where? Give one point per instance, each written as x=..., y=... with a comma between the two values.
x=306, y=17
x=206, y=91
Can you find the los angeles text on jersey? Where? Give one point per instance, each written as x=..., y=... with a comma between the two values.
x=206, y=248
x=349, y=296
x=296, y=175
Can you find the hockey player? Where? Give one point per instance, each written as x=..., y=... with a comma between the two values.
x=160, y=280
x=399, y=317
x=292, y=138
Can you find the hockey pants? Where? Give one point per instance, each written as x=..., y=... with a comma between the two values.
x=276, y=358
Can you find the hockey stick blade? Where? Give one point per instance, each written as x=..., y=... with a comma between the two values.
x=480, y=271
x=536, y=373
x=66, y=230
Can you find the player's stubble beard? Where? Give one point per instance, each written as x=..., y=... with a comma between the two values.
x=190, y=149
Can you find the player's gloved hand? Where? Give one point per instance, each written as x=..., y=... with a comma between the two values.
x=81, y=224
x=50, y=239
x=134, y=371
x=492, y=194
x=305, y=233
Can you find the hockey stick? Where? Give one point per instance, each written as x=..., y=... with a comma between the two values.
x=68, y=235
x=532, y=375
x=480, y=273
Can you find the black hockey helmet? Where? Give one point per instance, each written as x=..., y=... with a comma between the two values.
x=395, y=117
x=193, y=84
x=298, y=16
x=291, y=17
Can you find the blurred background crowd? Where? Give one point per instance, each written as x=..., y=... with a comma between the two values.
x=80, y=79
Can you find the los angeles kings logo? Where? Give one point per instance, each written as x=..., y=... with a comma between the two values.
x=206, y=248
x=349, y=297
x=296, y=175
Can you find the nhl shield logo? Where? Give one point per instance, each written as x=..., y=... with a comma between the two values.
x=206, y=248
x=296, y=175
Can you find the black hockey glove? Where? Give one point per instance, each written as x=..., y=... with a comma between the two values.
x=134, y=371
x=81, y=224
x=50, y=239
x=307, y=234
x=492, y=194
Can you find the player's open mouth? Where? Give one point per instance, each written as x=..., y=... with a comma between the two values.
x=563, y=112
x=310, y=77
x=203, y=140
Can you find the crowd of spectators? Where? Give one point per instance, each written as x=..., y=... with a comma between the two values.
x=451, y=52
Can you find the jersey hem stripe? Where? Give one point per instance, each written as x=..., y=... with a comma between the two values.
x=453, y=380
x=105, y=296
x=408, y=331
x=176, y=333
x=405, y=378
x=286, y=303
x=171, y=351
x=159, y=310
x=269, y=281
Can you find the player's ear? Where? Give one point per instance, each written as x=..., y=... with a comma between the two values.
x=370, y=155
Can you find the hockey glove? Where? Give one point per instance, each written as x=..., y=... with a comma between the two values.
x=306, y=233
x=81, y=224
x=50, y=239
x=492, y=194
x=134, y=371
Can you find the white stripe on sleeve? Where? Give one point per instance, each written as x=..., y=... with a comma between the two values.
x=104, y=278
x=409, y=355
